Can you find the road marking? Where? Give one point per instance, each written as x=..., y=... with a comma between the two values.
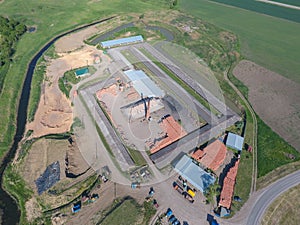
x=280, y=4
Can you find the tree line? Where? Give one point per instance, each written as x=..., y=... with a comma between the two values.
x=10, y=32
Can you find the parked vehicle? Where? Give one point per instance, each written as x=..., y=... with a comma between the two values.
x=169, y=212
x=237, y=199
x=178, y=187
x=172, y=219
x=155, y=203
x=76, y=207
x=176, y=222
x=188, y=197
x=182, y=192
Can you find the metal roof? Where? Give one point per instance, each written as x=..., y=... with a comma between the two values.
x=235, y=141
x=143, y=84
x=194, y=174
x=122, y=41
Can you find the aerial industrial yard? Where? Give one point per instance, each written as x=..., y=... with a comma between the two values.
x=140, y=110
x=152, y=116
x=150, y=112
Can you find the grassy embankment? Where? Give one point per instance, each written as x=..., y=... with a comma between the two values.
x=15, y=183
x=127, y=211
x=261, y=36
x=281, y=211
x=37, y=79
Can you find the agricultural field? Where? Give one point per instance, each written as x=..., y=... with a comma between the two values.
x=280, y=94
x=285, y=209
x=264, y=8
x=290, y=2
x=268, y=41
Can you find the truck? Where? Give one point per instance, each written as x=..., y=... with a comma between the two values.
x=178, y=187
x=188, y=197
x=183, y=192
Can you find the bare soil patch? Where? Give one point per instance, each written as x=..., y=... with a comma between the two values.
x=274, y=98
x=74, y=41
x=54, y=113
x=33, y=209
x=41, y=154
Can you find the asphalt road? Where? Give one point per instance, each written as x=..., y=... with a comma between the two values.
x=269, y=195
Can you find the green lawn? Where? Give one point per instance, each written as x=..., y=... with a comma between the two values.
x=128, y=211
x=272, y=150
x=271, y=42
x=51, y=18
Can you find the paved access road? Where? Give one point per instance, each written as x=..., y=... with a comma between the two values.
x=269, y=195
x=253, y=210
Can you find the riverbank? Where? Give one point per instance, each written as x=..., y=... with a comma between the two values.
x=8, y=205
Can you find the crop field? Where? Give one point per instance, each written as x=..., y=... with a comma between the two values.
x=264, y=8
x=270, y=42
x=285, y=209
x=289, y=2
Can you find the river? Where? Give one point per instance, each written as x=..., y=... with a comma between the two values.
x=8, y=206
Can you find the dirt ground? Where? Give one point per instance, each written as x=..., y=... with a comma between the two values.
x=274, y=98
x=43, y=153
x=54, y=113
x=74, y=41
x=165, y=195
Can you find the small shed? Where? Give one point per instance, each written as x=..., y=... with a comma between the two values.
x=235, y=141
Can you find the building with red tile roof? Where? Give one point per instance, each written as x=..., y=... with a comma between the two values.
x=211, y=156
x=228, y=186
x=173, y=132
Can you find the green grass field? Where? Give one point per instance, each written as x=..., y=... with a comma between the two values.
x=51, y=18
x=272, y=150
x=129, y=212
x=268, y=9
x=290, y=2
x=271, y=42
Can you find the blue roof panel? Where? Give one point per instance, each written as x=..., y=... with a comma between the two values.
x=122, y=41
x=143, y=84
x=194, y=174
x=235, y=141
